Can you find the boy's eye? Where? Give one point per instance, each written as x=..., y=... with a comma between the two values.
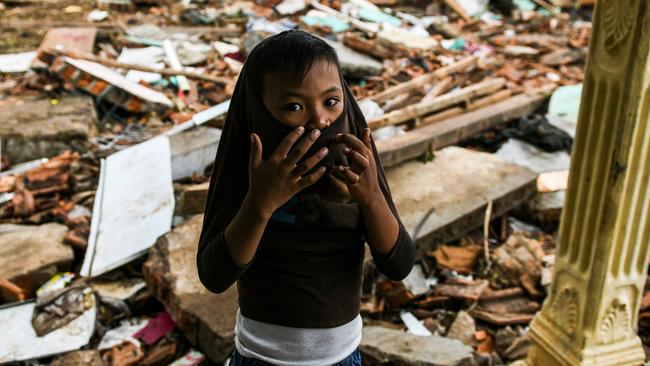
x=331, y=102
x=293, y=107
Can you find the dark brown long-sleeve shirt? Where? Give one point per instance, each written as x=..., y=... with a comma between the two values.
x=299, y=278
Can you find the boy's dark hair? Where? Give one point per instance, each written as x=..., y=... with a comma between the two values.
x=291, y=53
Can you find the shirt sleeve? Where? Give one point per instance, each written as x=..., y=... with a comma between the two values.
x=397, y=264
x=217, y=270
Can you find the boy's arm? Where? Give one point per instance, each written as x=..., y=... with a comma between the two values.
x=381, y=225
x=391, y=247
x=222, y=261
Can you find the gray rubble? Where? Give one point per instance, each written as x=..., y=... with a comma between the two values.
x=207, y=319
x=30, y=254
x=42, y=128
x=383, y=346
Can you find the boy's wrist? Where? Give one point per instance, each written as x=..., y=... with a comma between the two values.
x=372, y=204
x=256, y=211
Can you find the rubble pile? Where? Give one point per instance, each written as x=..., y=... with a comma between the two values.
x=458, y=293
x=473, y=105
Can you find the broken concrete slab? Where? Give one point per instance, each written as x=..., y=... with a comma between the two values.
x=383, y=346
x=42, y=128
x=30, y=255
x=193, y=150
x=172, y=276
x=432, y=197
x=22, y=343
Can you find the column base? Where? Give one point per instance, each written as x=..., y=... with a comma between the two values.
x=551, y=347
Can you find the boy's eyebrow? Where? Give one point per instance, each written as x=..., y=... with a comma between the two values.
x=329, y=90
x=291, y=93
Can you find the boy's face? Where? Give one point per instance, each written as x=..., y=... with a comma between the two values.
x=315, y=103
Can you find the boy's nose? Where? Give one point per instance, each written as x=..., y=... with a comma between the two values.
x=320, y=121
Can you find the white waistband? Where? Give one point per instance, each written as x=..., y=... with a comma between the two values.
x=288, y=346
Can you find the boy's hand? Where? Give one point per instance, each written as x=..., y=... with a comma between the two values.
x=361, y=175
x=274, y=181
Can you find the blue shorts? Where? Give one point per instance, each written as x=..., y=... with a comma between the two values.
x=354, y=359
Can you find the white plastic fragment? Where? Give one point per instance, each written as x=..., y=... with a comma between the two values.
x=414, y=326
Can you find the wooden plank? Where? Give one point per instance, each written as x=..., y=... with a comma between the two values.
x=438, y=103
x=451, y=112
x=440, y=88
x=422, y=80
x=120, y=65
x=450, y=131
x=446, y=198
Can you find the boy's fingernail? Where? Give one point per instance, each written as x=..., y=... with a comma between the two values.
x=301, y=129
x=315, y=133
x=252, y=139
x=346, y=149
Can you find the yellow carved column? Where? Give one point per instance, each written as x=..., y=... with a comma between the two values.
x=590, y=315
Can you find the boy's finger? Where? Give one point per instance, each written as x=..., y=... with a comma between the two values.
x=366, y=138
x=256, y=153
x=360, y=160
x=352, y=141
x=347, y=174
x=287, y=142
x=310, y=162
x=312, y=178
x=301, y=149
